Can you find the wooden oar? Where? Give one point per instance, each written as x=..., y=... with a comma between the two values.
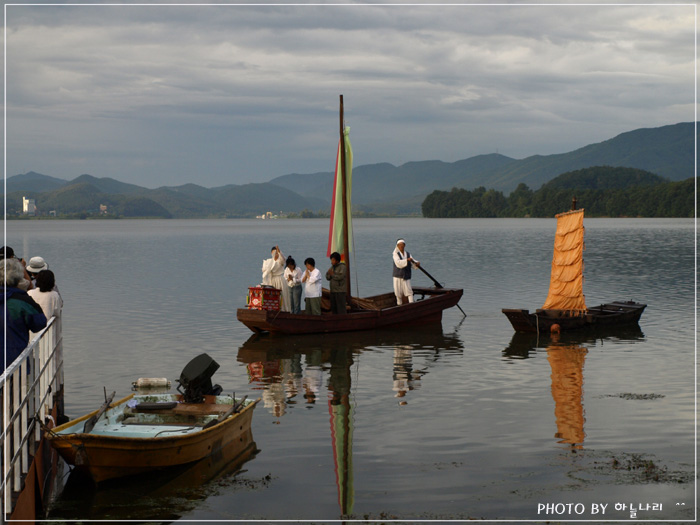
x=90, y=423
x=438, y=285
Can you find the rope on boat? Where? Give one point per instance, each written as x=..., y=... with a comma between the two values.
x=174, y=430
x=53, y=434
x=354, y=266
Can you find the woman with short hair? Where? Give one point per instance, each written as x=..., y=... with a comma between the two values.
x=45, y=295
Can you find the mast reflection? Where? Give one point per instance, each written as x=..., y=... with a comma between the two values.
x=342, y=418
x=292, y=369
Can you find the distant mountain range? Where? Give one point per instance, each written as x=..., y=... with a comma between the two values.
x=668, y=151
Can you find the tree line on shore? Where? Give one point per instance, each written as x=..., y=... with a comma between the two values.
x=602, y=191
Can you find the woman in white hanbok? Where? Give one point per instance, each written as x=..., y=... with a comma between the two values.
x=273, y=275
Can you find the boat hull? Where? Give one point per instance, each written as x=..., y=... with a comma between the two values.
x=604, y=315
x=429, y=309
x=105, y=457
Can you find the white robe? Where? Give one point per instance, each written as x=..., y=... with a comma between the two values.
x=273, y=275
x=402, y=287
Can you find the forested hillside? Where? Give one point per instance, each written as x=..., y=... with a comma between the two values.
x=636, y=159
x=602, y=191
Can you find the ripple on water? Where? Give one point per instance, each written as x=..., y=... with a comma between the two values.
x=465, y=420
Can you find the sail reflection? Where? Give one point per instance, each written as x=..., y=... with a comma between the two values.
x=567, y=390
x=292, y=369
x=342, y=417
x=567, y=357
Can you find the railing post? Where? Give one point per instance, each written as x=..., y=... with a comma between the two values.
x=4, y=453
x=35, y=398
x=28, y=387
x=15, y=426
x=24, y=423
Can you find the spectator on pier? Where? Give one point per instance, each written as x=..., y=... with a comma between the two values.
x=45, y=294
x=36, y=265
x=22, y=313
x=26, y=282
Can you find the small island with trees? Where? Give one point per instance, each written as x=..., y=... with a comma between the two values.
x=604, y=191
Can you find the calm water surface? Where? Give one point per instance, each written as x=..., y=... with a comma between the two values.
x=455, y=421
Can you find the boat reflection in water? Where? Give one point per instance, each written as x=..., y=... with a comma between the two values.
x=287, y=367
x=163, y=495
x=567, y=357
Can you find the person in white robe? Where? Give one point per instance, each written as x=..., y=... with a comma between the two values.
x=403, y=262
x=273, y=275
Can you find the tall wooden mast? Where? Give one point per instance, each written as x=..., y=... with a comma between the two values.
x=346, y=216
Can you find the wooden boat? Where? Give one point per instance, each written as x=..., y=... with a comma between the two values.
x=367, y=313
x=147, y=432
x=608, y=314
x=565, y=308
x=370, y=313
x=136, y=436
x=170, y=494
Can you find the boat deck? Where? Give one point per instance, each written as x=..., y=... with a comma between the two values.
x=135, y=422
x=126, y=430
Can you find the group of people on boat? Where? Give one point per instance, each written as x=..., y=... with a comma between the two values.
x=30, y=298
x=284, y=274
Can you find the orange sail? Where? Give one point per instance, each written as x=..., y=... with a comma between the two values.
x=566, y=282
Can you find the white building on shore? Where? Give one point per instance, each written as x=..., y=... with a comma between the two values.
x=28, y=206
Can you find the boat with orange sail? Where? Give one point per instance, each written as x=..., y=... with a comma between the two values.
x=565, y=307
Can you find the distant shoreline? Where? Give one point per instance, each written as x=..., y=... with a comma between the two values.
x=310, y=218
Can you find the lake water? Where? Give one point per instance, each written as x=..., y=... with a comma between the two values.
x=455, y=421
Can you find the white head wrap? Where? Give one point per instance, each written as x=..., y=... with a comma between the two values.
x=400, y=241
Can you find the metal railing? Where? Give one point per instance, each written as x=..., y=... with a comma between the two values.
x=27, y=390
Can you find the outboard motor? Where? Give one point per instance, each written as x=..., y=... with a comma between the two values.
x=195, y=378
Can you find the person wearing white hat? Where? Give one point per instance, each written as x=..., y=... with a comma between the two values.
x=403, y=262
x=37, y=264
x=34, y=267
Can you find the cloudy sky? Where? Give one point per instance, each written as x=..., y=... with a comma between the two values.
x=220, y=94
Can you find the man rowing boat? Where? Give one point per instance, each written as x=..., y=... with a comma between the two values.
x=403, y=262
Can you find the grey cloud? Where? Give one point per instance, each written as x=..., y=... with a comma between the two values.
x=130, y=90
